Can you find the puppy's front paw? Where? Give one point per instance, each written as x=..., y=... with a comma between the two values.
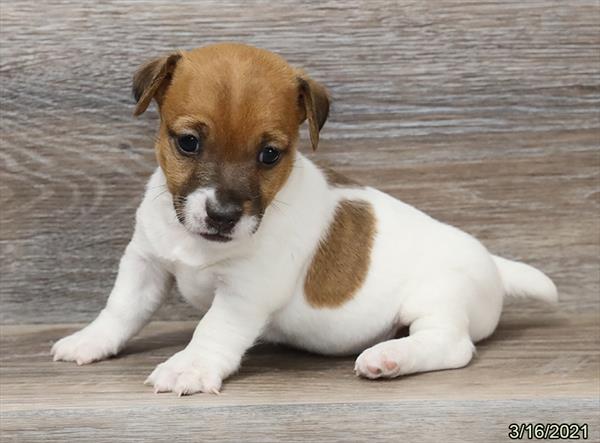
x=84, y=347
x=384, y=360
x=185, y=374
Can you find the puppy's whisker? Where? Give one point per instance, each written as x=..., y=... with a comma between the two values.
x=156, y=187
x=281, y=202
x=159, y=194
x=277, y=208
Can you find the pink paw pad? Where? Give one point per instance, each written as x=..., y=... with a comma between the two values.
x=373, y=369
x=390, y=365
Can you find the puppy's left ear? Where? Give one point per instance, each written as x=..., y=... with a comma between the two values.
x=151, y=81
x=314, y=106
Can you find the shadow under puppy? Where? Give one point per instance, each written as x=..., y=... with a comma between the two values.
x=268, y=245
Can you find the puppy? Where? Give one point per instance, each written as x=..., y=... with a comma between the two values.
x=268, y=245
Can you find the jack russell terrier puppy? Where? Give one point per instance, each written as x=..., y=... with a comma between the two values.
x=270, y=246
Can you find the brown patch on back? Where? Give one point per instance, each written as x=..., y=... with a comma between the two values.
x=342, y=260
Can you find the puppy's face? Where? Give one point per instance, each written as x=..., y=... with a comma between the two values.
x=230, y=115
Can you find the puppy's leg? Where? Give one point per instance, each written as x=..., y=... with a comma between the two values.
x=439, y=333
x=428, y=348
x=139, y=289
x=228, y=329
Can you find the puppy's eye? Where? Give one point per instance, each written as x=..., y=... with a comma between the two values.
x=188, y=144
x=269, y=155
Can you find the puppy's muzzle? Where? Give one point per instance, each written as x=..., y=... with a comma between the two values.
x=223, y=216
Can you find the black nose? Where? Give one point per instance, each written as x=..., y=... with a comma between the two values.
x=222, y=217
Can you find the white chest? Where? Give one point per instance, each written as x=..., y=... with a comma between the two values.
x=196, y=285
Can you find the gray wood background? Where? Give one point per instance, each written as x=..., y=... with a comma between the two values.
x=486, y=115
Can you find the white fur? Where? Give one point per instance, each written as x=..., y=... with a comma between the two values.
x=195, y=211
x=430, y=276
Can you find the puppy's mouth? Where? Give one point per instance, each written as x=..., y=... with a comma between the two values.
x=210, y=234
x=216, y=237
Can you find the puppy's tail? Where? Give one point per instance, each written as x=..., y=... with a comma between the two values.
x=522, y=280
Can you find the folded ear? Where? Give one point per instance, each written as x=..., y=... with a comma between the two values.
x=151, y=81
x=314, y=106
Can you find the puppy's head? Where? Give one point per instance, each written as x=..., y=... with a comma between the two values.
x=230, y=115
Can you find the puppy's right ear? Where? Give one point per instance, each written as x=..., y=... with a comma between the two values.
x=151, y=81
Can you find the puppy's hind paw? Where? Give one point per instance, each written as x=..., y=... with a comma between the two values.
x=380, y=361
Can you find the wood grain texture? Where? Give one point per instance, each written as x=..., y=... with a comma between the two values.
x=531, y=370
x=484, y=114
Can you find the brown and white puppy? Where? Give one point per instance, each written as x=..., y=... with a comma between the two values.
x=268, y=245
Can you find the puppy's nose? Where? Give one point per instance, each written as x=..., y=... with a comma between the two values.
x=222, y=217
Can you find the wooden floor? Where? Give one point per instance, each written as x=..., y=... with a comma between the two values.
x=484, y=114
x=538, y=370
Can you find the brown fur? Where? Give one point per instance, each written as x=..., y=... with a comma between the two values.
x=151, y=81
x=237, y=98
x=314, y=100
x=342, y=260
x=336, y=179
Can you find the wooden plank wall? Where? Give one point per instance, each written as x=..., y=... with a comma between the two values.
x=484, y=114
